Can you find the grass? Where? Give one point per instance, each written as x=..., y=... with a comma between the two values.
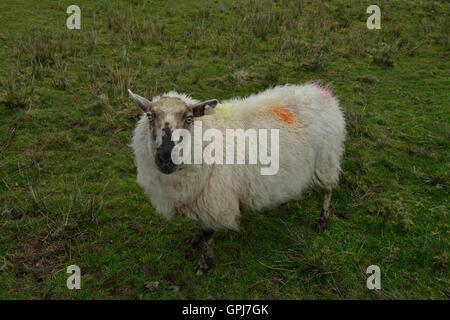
x=67, y=180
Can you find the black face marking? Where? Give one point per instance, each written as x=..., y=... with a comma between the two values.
x=150, y=117
x=167, y=138
x=163, y=158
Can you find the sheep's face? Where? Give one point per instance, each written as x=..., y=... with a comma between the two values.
x=166, y=115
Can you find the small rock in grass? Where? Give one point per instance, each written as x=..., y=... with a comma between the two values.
x=175, y=288
x=152, y=285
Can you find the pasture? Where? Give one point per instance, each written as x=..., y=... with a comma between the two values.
x=67, y=180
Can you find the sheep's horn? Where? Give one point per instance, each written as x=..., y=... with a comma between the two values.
x=142, y=102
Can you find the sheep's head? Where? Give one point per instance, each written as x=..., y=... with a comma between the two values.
x=166, y=115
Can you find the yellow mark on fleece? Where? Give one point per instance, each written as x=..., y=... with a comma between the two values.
x=223, y=110
x=282, y=114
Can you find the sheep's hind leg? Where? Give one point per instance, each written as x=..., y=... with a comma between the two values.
x=206, y=258
x=325, y=213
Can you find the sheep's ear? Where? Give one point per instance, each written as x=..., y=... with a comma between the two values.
x=143, y=103
x=204, y=108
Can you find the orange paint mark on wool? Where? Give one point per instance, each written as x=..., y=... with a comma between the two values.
x=282, y=114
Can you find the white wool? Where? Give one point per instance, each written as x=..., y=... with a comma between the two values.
x=310, y=154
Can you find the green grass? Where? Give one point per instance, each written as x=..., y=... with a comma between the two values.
x=67, y=180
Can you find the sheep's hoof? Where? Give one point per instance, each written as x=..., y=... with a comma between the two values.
x=199, y=272
x=203, y=265
x=321, y=224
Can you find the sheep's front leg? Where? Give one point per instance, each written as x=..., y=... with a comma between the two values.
x=195, y=238
x=206, y=258
x=325, y=213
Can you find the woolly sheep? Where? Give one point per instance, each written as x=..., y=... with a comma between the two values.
x=311, y=142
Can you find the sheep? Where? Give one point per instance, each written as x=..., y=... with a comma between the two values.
x=312, y=131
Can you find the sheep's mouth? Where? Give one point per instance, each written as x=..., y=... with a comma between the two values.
x=167, y=169
x=165, y=165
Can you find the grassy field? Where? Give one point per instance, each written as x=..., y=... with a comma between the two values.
x=67, y=179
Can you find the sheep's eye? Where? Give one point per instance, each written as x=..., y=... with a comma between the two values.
x=189, y=119
x=150, y=117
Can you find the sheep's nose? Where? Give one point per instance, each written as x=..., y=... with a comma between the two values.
x=165, y=157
